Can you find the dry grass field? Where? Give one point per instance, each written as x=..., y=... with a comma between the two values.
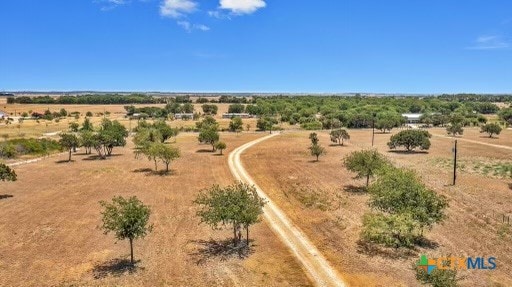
x=31, y=128
x=49, y=222
x=324, y=200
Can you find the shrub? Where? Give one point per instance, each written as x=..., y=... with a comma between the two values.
x=391, y=231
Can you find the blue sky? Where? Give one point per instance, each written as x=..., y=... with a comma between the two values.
x=402, y=46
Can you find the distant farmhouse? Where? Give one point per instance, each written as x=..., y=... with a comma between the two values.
x=236, y=115
x=3, y=114
x=412, y=118
x=183, y=116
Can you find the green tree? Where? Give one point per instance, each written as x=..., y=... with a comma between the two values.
x=266, y=123
x=166, y=154
x=210, y=109
x=339, y=136
x=87, y=125
x=127, y=219
x=506, y=115
x=236, y=205
x=491, y=129
x=73, y=127
x=410, y=139
x=365, y=163
x=7, y=174
x=209, y=135
x=69, y=142
x=317, y=150
x=455, y=129
x=314, y=138
x=236, y=124
x=63, y=112
x=220, y=146
x=86, y=139
x=88, y=114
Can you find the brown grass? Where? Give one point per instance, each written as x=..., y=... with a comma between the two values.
x=49, y=234
x=473, y=228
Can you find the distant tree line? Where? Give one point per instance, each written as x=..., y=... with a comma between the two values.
x=92, y=99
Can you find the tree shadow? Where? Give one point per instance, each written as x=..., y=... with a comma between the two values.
x=64, y=161
x=4, y=196
x=487, y=137
x=355, y=189
x=94, y=157
x=339, y=145
x=149, y=171
x=115, y=267
x=204, y=151
x=313, y=161
x=218, y=154
x=222, y=250
x=426, y=243
x=409, y=151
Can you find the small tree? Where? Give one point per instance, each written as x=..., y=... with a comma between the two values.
x=235, y=205
x=266, y=123
x=339, y=136
x=317, y=150
x=365, y=163
x=455, y=129
x=410, y=139
x=236, y=124
x=209, y=135
x=167, y=154
x=86, y=139
x=127, y=219
x=69, y=142
x=220, y=146
x=491, y=129
x=73, y=127
x=87, y=125
x=7, y=174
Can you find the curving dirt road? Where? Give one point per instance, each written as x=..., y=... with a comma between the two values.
x=318, y=268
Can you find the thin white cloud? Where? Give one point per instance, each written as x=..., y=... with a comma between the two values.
x=219, y=15
x=177, y=8
x=189, y=27
x=490, y=42
x=242, y=6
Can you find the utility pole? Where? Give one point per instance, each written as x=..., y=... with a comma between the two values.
x=373, y=128
x=455, y=163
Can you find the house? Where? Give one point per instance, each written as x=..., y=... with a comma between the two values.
x=412, y=118
x=183, y=116
x=236, y=115
x=3, y=114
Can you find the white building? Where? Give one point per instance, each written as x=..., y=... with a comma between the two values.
x=412, y=118
x=3, y=114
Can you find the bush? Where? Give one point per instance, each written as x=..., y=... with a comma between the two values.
x=437, y=278
x=310, y=126
x=28, y=146
x=391, y=231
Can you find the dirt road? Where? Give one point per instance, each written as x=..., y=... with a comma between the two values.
x=317, y=267
x=473, y=141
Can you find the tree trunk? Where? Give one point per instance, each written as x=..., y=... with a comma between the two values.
x=69, y=159
x=166, y=167
x=131, y=251
x=156, y=166
x=220, y=152
x=317, y=158
x=247, y=233
x=367, y=180
x=234, y=234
